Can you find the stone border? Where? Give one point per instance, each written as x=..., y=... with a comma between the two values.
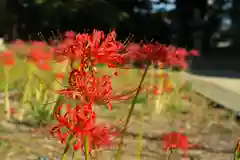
x=220, y=95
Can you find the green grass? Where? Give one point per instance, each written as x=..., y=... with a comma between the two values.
x=1, y=112
x=127, y=80
x=17, y=73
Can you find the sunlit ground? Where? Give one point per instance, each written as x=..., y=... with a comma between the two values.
x=213, y=130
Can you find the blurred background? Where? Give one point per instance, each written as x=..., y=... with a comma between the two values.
x=210, y=26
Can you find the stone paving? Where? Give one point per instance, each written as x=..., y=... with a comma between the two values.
x=222, y=90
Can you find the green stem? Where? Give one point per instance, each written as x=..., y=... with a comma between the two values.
x=64, y=155
x=130, y=113
x=86, y=149
x=73, y=155
x=168, y=157
x=56, y=86
x=158, y=106
x=6, y=93
x=39, y=91
x=27, y=88
x=140, y=137
x=27, y=92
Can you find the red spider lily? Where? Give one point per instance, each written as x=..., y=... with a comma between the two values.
x=60, y=75
x=106, y=49
x=186, y=97
x=18, y=45
x=158, y=54
x=45, y=66
x=97, y=48
x=7, y=58
x=11, y=110
x=100, y=136
x=41, y=55
x=70, y=34
x=194, y=52
x=88, y=87
x=73, y=119
x=156, y=90
x=18, y=42
x=80, y=122
x=175, y=140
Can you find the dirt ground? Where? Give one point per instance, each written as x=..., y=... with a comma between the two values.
x=214, y=130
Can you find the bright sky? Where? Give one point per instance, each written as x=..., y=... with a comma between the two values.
x=162, y=6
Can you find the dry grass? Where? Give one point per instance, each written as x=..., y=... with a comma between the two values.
x=201, y=123
x=128, y=79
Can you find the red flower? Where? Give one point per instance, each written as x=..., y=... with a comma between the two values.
x=194, y=52
x=95, y=48
x=45, y=66
x=80, y=122
x=18, y=42
x=156, y=90
x=90, y=88
x=74, y=118
x=7, y=58
x=60, y=75
x=17, y=45
x=11, y=111
x=158, y=54
x=185, y=97
x=70, y=34
x=175, y=140
x=41, y=55
x=98, y=137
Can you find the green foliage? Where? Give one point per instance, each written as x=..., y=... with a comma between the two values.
x=188, y=86
x=4, y=143
x=141, y=99
x=101, y=65
x=174, y=107
x=40, y=113
x=40, y=1
x=16, y=75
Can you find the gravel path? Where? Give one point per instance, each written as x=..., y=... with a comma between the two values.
x=214, y=130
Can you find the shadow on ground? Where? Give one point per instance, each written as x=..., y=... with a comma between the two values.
x=216, y=65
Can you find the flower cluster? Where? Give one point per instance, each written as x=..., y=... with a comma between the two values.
x=177, y=140
x=84, y=52
x=7, y=58
x=80, y=122
x=41, y=55
x=159, y=54
x=91, y=50
x=37, y=53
